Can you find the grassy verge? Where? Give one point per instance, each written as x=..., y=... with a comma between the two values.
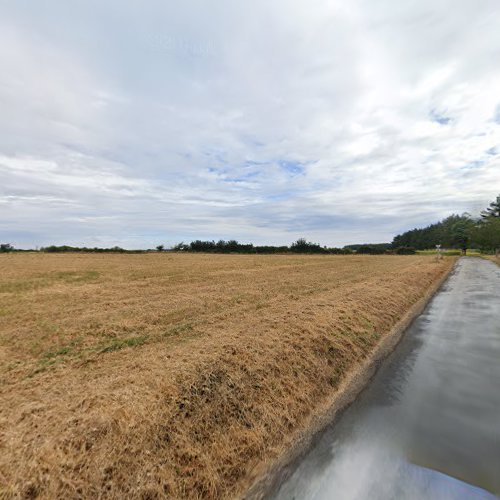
x=450, y=253
x=494, y=259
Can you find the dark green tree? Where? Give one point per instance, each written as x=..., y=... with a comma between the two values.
x=304, y=246
x=451, y=232
x=486, y=234
x=493, y=210
x=460, y=233
x=181, y=247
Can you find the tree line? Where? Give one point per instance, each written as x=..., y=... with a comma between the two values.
x=7, y=247
x=458, y=231
x=233, y=246
x=300, y=246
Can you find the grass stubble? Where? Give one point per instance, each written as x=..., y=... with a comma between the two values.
x=152, y=376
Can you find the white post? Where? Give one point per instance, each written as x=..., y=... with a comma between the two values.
x=439, y=254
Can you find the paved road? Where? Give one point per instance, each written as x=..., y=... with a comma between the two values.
x=428, y=426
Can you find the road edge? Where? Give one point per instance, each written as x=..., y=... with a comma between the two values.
x=266, y=478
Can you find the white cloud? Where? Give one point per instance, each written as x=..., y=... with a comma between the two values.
x=342, y=122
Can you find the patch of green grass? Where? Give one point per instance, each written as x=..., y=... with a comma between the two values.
x=434, y=252
x=48, y=280
x=76, y=277
x=58, y=355
x=448, y=253
x=53, y=357
x=175, y=330
x=60, y=352
x=43, y=366
x=118, y=344
x=21, y=286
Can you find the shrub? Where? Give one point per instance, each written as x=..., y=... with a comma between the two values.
x=375, y=246
x=405, y=251
x=67, y=248
x=180, y=247
x=370, y=250
x=271, y=249
x=304, y=246
x=6, y=247
x=340, y=251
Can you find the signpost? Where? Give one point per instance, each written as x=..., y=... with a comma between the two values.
x=439, y=252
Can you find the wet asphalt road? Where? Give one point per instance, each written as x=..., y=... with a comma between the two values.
x=428, y=425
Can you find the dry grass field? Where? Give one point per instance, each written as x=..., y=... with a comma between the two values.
x=168, y=375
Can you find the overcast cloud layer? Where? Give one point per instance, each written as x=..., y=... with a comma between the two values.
x=137, y=123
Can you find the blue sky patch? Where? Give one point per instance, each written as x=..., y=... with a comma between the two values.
x=253, y=163
x=440, y=118
x=473, y=165
x=293, y=168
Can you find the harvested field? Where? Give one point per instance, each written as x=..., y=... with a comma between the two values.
x=145, y=376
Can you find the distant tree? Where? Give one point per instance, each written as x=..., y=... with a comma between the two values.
x=202, y=246
x=271, y=249
x=370, y=250
x=493, y=210
x=304, y=246
x=221, y=246
x=67, y=248
x=460, y=233
x=233, y=246
x=341, y=251
x=451, y=232
x=486, y=233
x=181, y=247
x=6, y=247
x=160, y=248
x=380, y=246
x=300, y=245
x=405, y=251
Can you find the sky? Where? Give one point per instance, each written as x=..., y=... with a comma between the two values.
x=138, y=123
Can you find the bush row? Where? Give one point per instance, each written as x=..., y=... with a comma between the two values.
x=300, y=246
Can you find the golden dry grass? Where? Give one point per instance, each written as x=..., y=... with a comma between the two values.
x=146, y=376
x=493, y=258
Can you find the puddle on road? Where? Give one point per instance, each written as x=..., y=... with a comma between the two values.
x=428, y=426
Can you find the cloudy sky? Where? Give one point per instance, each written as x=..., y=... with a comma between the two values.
x=143, y=122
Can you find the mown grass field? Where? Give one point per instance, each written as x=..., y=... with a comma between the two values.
x=145, y=376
